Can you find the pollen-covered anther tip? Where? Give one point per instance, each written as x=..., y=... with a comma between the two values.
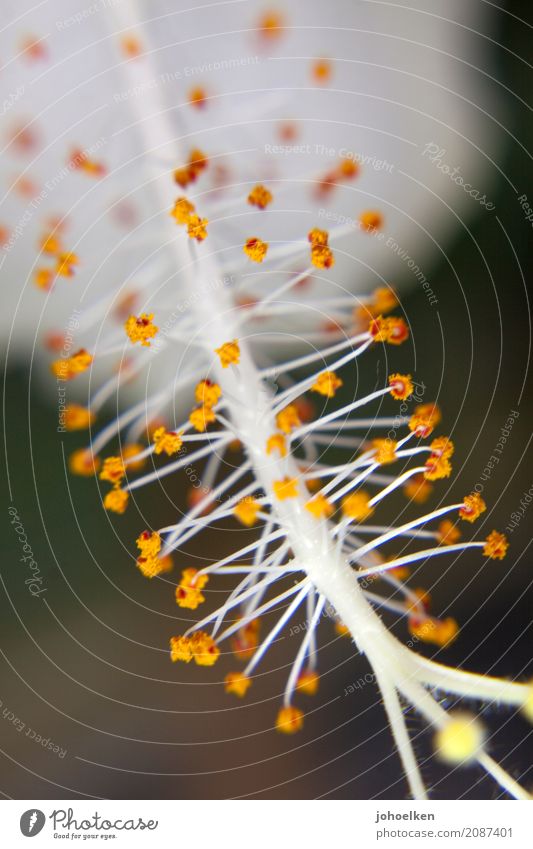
x=83, y=462
x=320, y=507
x=237, y=683
x=277, y=443
x=71, y=367
x=182, y=210
x=198, y=97
x=322, y=256
x=285, y=488
x=207, y=393
x=357, y=506
x=460, y=739
x=229, y=353
x=437, y=468
x=246, y=511
x=384, y=451
x=288, y=419
x=322, y=70
x=116, y=501
x=181, y=649
x=255, y=249
x=289, y=720
x=393, y=330
x=473, y=507
x=112, y=470
x=496, y=546
x=77, y=417
x=204, y=649
x=425, y=419
x=271, y=25
x=442, y=447
x=371, y=221
x=141, y=328
x=327, y=384
x=401, y=386
x=189, y=590
x=167, y=441
x=448, y=533
x=260, y=197
x=66, y=264
x=308, y=682
x=197, y=227
x=201, y=417
x=438, y=632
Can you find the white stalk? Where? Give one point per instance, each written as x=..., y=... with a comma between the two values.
x=251, y=410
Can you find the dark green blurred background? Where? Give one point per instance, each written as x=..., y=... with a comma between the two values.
x=86, y=664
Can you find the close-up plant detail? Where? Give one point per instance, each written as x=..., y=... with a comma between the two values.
x=222, y=342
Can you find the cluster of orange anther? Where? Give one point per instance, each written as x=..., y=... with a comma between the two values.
x=357, y=506
x=229, y=353
x=198, y=97
x=129, y=452
x=207, y=393
x=322, y=70
x=246, y=640
x=148, y=562
x=197, y=163
x=83, y=462
x=320, y=507
x=199, y=647
x=438, y=465
x=131, y=46
x=448, y=533
x=276, y=442
x=255, y=249
x=116, y=501
x=167, y=441
x=77, y=417
x=197, y=228
x=112, y=470
x=81, y=161
x=260, y=196
x=347, y=169
x=371, y=221
x=66, y=261
x=473, y=507
x=425, y=419
x=237, y=683
x=392, y=330
x=428, y=629
x=271, y=25
x=308, y=682
x=384, y=451
x=496, y=546
x=189, y=590
x=401, y=386
x=384, y=299
x=246, y=510
x=182, y=210
x=327, y=384
x=69, y=368
x=289, y=720
x=285, y=488
x=141, y=328
x=321, y=254
x=202, y=417
x=288, y=419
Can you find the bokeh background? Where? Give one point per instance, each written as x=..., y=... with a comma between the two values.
x=85, y=665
